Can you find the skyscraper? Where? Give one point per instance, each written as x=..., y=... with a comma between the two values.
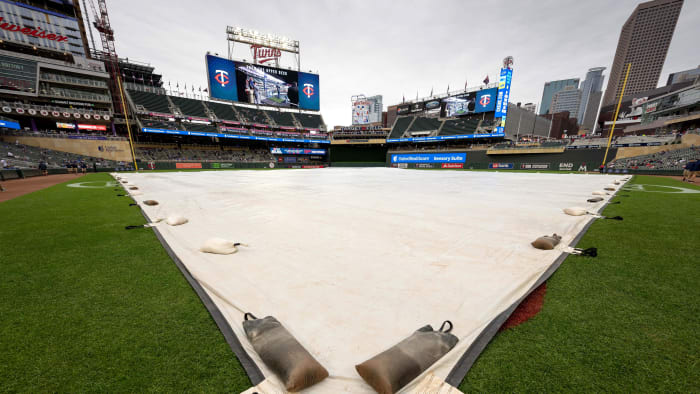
x=552, y=87
x=567, y=99
x=644, y=42
x=591, y=91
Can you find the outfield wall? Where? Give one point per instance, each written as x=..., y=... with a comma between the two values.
x=105, y=149
x=582, y=160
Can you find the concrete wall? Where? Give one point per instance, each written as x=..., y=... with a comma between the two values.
x=105, y=149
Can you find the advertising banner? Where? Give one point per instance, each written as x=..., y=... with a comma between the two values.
x=235, y=136
x=297, y=151
x=503, y=92
x=459, y=157
x=262, y=85
x=534, y=166
x=452, y=165
x=367, y=110
x=501, y=166
x=424, y=165
x=188, y=165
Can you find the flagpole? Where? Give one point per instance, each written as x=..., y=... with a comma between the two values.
x=619, y=103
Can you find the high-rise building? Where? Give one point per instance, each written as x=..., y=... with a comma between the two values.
x=552, y=87
x=683, y=76
x=567, y=99
x=530, y=107
x=643, y=42
x=591, y=92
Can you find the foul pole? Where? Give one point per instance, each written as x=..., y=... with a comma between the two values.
x=128, y=127
x=619, y=103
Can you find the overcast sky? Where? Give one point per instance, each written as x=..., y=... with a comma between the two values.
x=396, y=48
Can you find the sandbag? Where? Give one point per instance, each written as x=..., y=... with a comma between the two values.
x=595, y=199
x=136, y=193
x=220, y=246
x=133, y=188
x=546, y=242
x=175, y=220
x=609, y=187
x=599, y=193
x=575, y=211
x=125, y=181
x=397, y=366
x=282, y=353
x=151, y=202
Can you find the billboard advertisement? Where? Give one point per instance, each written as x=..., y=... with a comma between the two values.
x=503, y=92
x=18, y=76
x=459, y=157
x=297, y=151
x=505, y=166
x=366, y=110
x=485, y=100
x=33, y=26
x=404, y=109
x=256, y=84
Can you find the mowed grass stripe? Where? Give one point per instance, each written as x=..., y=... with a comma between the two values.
x=89, y=306
x=626, y=321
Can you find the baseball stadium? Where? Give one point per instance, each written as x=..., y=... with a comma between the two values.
x=230, y=240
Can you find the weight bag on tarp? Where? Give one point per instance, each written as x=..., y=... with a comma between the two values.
x=282, y=353
x=546, y=242
x=397, y=366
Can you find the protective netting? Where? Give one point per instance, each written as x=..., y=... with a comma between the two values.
x=354, y=260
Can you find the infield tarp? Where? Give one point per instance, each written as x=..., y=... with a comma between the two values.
x=352, y=261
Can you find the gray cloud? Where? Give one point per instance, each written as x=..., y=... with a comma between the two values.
x=397, y=48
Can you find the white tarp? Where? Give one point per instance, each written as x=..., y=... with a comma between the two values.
x=352, y=261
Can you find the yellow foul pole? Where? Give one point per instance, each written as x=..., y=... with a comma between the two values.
x=128, y=127
x=617, y=111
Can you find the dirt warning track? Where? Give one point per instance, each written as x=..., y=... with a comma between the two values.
x=19, y=187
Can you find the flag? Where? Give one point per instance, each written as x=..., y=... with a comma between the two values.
x=448, y=89
x=168, y=83
x=486, y=80
x=416, y=95
x=431, y=92
x=403, y=100
x=177, y=85
x=465, y=84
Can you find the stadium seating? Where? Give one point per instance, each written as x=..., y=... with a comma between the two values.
x=203, y=154
x=459, y=126
x=282, y=118
x=400, y=126
x=223, y=111
x=199, y=127
x=310, y=121
x=667, y=160
x=252, y=115
x=190, y=107
x=425, y=124
x=159, y=124
x=150, y=101
x=26, y=156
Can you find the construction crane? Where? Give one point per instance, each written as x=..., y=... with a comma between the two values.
x=111, y=60
x=109, y=53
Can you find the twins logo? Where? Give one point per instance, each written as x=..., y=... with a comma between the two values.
x=308, y=90
x=485, y=100
x=221, y=77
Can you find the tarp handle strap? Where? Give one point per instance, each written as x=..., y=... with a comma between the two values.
x=443, y=326
x=132, y=204
x=614, y=218
x=590, y=252
x=616, y=202
x=134, y=226
x=247, y=314
x=121, y=195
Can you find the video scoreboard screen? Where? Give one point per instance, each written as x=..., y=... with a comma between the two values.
x=262, y=85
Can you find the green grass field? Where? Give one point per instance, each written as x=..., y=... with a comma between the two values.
x=88, y=306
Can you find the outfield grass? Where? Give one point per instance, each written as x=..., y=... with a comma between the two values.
x=626, y=321
x=89, y=306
